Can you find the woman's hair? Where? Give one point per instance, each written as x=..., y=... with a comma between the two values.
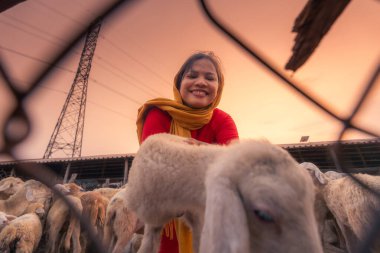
x=193, y=58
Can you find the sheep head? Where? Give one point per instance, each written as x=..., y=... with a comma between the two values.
x=9, y=186
x=5, y=219
x=258, y=199
x=319, y=178
x=36, y=191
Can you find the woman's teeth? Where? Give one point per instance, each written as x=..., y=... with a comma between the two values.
x=199, y=93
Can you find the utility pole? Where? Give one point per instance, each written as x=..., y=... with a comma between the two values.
x=67, y=136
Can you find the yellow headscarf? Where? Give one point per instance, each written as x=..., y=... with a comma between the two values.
x=184, y=119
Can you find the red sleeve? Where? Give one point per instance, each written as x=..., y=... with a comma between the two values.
x=226, y=129
x=156, y=121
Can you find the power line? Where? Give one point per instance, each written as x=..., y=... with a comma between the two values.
x=135, y=60
x=90, y=101
x=58, y=12
x=26, y=31
x=116, y=112
x=60, y=43
x=116, y=91
x=71, y=71
x=130, y=76
x=130, y=39
x=104, y=38
x=35, y=59
x=32, y=26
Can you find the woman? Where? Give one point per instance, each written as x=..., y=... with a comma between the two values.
x=198, y=87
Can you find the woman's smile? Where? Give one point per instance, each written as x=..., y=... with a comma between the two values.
x=199, y=93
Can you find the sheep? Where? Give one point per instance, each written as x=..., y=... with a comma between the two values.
x=24, y=232
x=107, y=192
x=120, y=223
x=31, y=191
x=167, y=180
x=9, y=186
x=332, y=238
x=134, y=244
x=352, y=206
x=94, y=207
x=331, y=174
x=258, y=199
x=5, y=219
x=59, y=214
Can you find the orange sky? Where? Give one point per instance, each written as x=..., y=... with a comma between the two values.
x=140, y=49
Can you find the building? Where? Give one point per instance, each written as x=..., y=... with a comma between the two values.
x=112, y=170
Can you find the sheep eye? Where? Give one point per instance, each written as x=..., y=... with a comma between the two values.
x=264, y=216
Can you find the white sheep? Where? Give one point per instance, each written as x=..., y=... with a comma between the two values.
x=120, y=224
x=259, y=200
x=9, y=186
x=167, y=180
x=353, y=207
x=59, y=214
x=331, y=174
x=24, y=232
x=32, y=191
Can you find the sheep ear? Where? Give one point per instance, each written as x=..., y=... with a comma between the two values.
x=29, y=194
x=320, y=177
x=40, y=211
x=225, y=228
x=314, y=172
x=4, y=187
x=10, y=217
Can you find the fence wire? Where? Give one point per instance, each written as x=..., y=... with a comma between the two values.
x=347, y=123
x=18, y=115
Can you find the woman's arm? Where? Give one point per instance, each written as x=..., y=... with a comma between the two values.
x=226, y=130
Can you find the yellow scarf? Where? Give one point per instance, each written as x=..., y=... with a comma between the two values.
x=184, y=119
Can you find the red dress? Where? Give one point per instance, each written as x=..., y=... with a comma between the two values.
x=220, y=130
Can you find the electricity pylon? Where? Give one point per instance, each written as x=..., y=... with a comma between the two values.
x=68, y=132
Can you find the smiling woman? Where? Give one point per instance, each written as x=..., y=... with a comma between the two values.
x=198, y=87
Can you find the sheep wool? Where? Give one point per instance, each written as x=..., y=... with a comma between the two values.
x=251, y=196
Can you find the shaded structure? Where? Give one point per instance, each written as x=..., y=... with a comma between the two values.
x=311, y=25
x=89, y=171
x=358, y=156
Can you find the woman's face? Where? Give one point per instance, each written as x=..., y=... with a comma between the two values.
x=199, y=84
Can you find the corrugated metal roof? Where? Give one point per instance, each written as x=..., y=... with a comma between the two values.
x=329, y=143
x=116, y=156
x=69, y=159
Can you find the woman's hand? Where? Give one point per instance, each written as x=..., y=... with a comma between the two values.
x=193, y=141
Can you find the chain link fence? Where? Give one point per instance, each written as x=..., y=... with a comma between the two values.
x=17, y=126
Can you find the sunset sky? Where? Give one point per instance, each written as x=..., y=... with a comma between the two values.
x=141, y=47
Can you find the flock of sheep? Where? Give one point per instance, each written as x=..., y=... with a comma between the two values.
x=249, y=196
x=33, y=218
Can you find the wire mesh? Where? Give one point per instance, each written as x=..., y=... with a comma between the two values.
x=347, y=122
x=18, y=115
